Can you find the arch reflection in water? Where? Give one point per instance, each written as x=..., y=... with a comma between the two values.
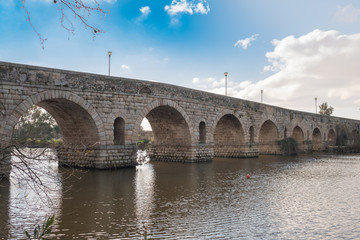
x=35, y=191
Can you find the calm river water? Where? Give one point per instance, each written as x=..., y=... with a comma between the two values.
x=306, y=197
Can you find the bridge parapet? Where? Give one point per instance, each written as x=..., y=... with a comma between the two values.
x=106, y=113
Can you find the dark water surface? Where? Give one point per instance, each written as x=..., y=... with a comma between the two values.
x=307, y=197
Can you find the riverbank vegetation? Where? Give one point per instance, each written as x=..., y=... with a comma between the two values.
x=37, y=128
x=145, y=139
x=288, y=146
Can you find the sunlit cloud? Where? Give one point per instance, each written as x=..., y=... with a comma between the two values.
x=125, y=67
x=145, y=11
x=322, y=64
x=348, y=14
x=196, y=80
x=178, y=7
x=201, y=8
x=245, y=43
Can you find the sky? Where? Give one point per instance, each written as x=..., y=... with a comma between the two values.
x=292, y=50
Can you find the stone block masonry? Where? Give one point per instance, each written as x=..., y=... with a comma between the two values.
x=103, y=114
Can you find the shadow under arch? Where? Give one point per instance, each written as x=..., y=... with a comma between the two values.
x=331, y=138
x=79, y=123
x=173, y=135
x=316, y=140
x=298, y=135
x=268, y=138
x=163, y=103
x=229, y=137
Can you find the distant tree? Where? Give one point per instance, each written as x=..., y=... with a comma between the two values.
x=36, y=127
x=325, y=109
x=79, y=9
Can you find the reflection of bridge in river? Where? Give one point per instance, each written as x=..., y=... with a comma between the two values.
x=105, y=113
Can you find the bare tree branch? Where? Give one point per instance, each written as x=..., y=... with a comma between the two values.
x=79, y=9
x=42, y=40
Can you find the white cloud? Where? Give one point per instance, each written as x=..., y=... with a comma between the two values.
x=125, y=67
x=145, y=11
x=322, y=64
x=348, y=14
x=185, y=7
x=201, y=8
x=179, y=6
x=245, y=43
x=195, y=80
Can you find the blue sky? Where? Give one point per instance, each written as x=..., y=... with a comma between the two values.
x=293, y=50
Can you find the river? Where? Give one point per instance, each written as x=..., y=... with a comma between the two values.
x=304, y=197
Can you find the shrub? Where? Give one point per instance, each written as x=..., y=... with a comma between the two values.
x=288, y=146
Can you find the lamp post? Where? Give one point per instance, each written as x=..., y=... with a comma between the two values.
x=225, y=73
x=109, y=52
x=261, y=91
x=315, y=104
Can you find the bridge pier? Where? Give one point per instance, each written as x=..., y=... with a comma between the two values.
x=5, y=162
x=175, y=153
x=251, y=150
x=101, y=157
x=237, y=151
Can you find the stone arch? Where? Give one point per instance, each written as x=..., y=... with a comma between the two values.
x=217, y=119
x=78, y=120
x=145, y=90
x=298, y=135
x=119, y=131
x=170, y=112
x=229, y=137
x=316, y=140
x=285, y=133
x=268, y=138
x=331, y=138
x=202, y=132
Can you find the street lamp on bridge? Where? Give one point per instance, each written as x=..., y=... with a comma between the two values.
x=109, y=52
x=225, y=73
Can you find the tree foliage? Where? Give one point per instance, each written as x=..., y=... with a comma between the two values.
x=325, y=109
x=40, y=232
x=36, y=127
x=288, y=146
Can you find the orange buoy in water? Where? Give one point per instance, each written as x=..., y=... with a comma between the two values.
x=248, y=176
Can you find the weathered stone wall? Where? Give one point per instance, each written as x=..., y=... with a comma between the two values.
x=87, y=105
x=171, y=153
x=104, y=157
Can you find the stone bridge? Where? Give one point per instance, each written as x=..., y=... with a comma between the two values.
x=103, y=114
